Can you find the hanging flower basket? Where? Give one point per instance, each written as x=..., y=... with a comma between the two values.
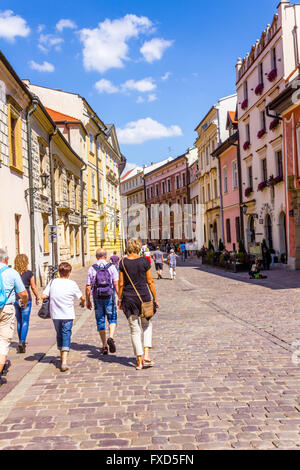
x=261, y=133
x=259, y=89
x=272, y=75
x=262, y=186
x=246, y=145
x=244, y=104
x=274, y=124
x=248, y=191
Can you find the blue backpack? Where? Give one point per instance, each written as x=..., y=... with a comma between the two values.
x=3, y=296
x=103, y=286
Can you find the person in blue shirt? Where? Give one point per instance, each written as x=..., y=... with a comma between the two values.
x=13, y=284
x=183, y=251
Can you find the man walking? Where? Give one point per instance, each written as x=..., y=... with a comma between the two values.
x=159, y=261
x=183, y=250
x=171, y=260
x=10, y=284
x=102, y=281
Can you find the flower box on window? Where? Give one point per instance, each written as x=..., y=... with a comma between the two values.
x=274, y=124
x=244, y=104
x=272, y=75
x=246, y=145
x=248, y=191
x=261, y=133
x=259, y=89
x=262, y=186
x=273, y=181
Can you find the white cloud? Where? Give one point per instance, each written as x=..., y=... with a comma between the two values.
x=47, y=41
x=152, y=97
x=154, y=49
x=166, y=76
x=140, y=100
x=106, y=47
x=40, y=28
x=137, y=132
x=65, y=23
x=144, y=85
x=105, y=86
x=44, y=67
x=12, y=25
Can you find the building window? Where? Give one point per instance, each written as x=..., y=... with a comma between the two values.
x=273, y=58
x=91, y=143
x=71, y=241
x=77, y=244
x=93, y=186
x=207, y=159
x=45, y=233
x=260, y=73
x=163, y=187
x=216, y=188
x=15, y=139
x=177, y=182
x=98, y=151
x=279, y=164
x=245, y=90
x=208, y=191
x=169, y=186
x=151, y=191
x=225, y=179
x=183, y=179
x=264, y=169
x=234, y=175
x=248, y=137
x=263, y=120
x=237, y=229
x=250, y=177
x=228, y=231
x=156, y=190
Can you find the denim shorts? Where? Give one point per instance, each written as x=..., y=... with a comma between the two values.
x=63, y=333
x=105, y=307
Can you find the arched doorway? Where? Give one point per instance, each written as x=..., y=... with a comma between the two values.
x=215, y=235
x=282, y=234
x=269, y=231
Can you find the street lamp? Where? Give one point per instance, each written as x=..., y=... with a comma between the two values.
x=44, y=180
x=244, y=209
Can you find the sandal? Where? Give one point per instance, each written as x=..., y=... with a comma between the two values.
x=139, y=367
x=111, y=345
x=148, y=362
x=6, y=367
x=64, y=368
x=104, y=351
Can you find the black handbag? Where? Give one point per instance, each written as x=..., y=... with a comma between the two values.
x=44, y=311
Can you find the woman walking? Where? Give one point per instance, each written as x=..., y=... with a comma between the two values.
x=138, y=269
x=23, y=313
x=171, y=260
x=62, y=292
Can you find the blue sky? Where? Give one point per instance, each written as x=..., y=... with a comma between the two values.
x=158, y=65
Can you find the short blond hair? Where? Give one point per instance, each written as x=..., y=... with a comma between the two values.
x=133, y=245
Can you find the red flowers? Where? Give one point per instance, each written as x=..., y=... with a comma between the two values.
x=259, y=89
x=246, y=145
x=248, y=191
x=262, y=186
x=274, y=123
x=272, y=75
x=261, y=133
x=244, y=104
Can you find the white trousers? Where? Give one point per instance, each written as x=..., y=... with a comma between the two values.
x=173, y=272
x=140, y=327
x=7, y=326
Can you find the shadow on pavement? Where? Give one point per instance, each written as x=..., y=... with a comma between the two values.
x=95, y=354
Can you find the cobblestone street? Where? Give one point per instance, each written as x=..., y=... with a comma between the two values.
x=223, y=376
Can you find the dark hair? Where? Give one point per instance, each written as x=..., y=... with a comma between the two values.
x=115, y=252
x=64, y=269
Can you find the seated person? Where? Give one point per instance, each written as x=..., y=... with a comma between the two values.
x=255, y=271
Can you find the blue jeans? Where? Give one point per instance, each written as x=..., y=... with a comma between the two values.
x=23, y=315
x=104, y=308
x=63, y=333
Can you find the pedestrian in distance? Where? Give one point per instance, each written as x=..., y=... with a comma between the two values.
x=171, y=260
x=147, y=254
x=158, y=258
x=183, y=251
x=10, y=285
x=23, y=313
x=102, y=283
x=114, y=259
x=136, y=270
x=62, y=292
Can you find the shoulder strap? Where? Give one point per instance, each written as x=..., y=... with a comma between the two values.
x=96, y=267
x=108, y=265
x=131, y=281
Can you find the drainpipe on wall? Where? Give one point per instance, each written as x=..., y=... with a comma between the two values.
x=82, y=211
x=220, y=183
x=240, y=188
x=30, y=175
x=53, y=206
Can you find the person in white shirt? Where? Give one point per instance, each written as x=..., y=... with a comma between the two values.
x=62, y=292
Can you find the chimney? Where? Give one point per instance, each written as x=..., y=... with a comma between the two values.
x=237, y=68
